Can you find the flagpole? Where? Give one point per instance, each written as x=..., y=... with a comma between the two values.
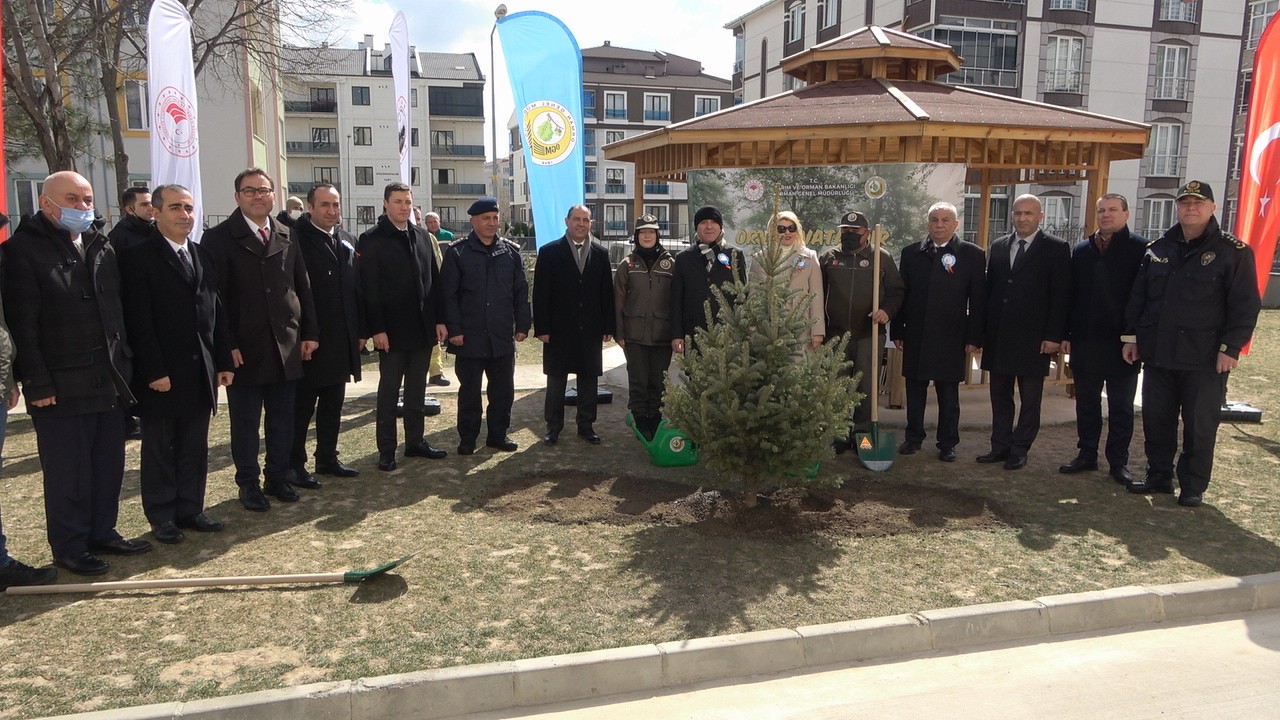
x=498, y=13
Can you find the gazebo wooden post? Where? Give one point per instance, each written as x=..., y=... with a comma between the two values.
x=984, y=211
x=1099, y=178
x=638, y=205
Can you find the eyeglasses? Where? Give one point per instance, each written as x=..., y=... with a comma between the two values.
x=787, y=228
x=256, y=191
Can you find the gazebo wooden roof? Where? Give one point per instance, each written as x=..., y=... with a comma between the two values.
x=873, y=97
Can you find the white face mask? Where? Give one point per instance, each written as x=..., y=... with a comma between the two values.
x=295, y=214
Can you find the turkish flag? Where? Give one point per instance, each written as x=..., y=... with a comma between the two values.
x=1258, y=214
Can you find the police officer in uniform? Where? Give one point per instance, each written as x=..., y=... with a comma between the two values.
x=1194, y=306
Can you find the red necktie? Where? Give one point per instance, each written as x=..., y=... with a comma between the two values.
x=266, y=239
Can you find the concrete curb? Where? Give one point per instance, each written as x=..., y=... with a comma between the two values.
x=456, y=691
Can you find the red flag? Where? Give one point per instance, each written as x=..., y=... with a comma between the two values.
x=1258, y=214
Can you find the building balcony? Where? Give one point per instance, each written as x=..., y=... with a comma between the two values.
x=308, y=147
x=653, y=187
x=1166, y=165
x=657, y=115
x=1069, y=81
x=615, y=188
x=311, y=106
x=615, y=113
x=458, y=150
x=1171, y=88
x=465, y=189
x=301, y=188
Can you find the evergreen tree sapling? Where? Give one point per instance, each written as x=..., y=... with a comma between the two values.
x=763, y=406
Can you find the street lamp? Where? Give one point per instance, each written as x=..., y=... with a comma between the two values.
x=498, y=13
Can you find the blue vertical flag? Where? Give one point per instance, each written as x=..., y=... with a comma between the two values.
x=545, y=66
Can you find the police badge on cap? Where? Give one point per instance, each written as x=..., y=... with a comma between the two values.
x=1195, y=188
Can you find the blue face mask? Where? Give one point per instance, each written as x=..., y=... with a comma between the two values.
x=75, y=221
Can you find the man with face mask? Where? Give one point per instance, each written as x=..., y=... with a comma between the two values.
x=291, y=212
x=62, y=301
x=847, y=275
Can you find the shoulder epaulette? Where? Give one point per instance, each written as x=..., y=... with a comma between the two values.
x=1240, y=244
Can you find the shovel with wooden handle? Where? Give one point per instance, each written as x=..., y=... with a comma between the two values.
x=875, y=449
x=350, y=576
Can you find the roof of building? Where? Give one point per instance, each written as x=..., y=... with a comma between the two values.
x=355, y=62
x=450, y=66
x=684, y=82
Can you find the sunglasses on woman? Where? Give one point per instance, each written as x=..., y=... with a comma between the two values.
x=787, y=228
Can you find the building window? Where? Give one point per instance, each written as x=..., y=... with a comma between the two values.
x=615, y=105
x=589, y=142
x=828, y=13
x=1166, y=149
x=613, y=136
x=660, y=212
x=705, y=104
x=323, y=99
x=413, y=97
x=657, y=107
x=764, y=67
x=1246, y=87
x=989, y=48
x=589, y=103
x=740, y=53
x=255, y=104
x=456, y=102
x=441, y=139
x=1260, y=14
x=795, y=22
x=1237, y=156
x=415, y=178
x=998, y=217
x=1158, y=215
x=1081, y=5
x=359, y=95
x=135, y=104
x=413, y=137
x=1172, y=62
x=362, y=135
x=615, y=219
x=590, y=177
x=614, y=180
x=325, y=175
x=364, y=174
x=444, y=176
x=1178, y=10
x=1064, y=64
x=364, y=215
x=448, y=214
x=1057, y=216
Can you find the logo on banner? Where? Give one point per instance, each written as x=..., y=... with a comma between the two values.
x=174, y=122
x=550, y=132
x=402, y=123
x=754, y=189
x=876, y=187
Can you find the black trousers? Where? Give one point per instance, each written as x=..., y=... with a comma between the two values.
x=326, y=403
x=175, y=466
x=553, y=405
x=858, y=351
x=1195, y=394
x=407, y=367
x=246, y=405
x=948, y=394
x=646, y=374
x=82, y=459
x=501, y=375
x=1005, y=437
x=1120, y=391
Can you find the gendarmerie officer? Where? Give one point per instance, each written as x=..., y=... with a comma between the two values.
x=1194, y=306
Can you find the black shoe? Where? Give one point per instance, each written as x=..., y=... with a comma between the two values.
x=168, y=533
x=253, y=499
x=947, y=454
x=909, y=447
x=120, y=546
x=586, y=433
x=335, y=468
x=86, y=563
x=1082, y=463
x=281, y=491
x=1015, y=462
x=994, y=456
x=439, y=380
x=1121, y=474
x=200, y=523
x=303, y=479
x=387, y=462
x=551, y=438
x=1190, y=500
x=423, y=449
x=1151, y=484
x=467, y=448
x=15, y=574
x=505, y=444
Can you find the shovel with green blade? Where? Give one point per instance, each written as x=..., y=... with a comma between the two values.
x=875, y=449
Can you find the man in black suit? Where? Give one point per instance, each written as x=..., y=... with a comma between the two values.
x=1028, y=292
x=573, y=317
x=329, y=254
x=264, y=288
x=939, y=324
x=1102, y=271
x=62, y=301
x=180, y=357
x=401, y=295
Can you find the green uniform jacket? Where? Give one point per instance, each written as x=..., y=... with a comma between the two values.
x=847, y=280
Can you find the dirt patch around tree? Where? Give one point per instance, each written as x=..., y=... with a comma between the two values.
x=870, y=509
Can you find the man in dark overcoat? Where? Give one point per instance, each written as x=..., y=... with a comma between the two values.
x=573, y=317
x=265, y=290
x=180, y=357
x=137, y=219
x=939, y=324
x=1028, y=293
x=62, y=301
x=328, y=251
x=401, y=295
x=1103, y=267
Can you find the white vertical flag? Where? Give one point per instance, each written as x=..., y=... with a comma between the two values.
x=171, y=90
x=400, y=78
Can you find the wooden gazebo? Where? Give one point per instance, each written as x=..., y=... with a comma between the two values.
x=872, y=96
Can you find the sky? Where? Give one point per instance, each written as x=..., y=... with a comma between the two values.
x=689, y=28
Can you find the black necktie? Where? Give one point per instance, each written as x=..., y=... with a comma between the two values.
x=186, y=264
x=1017, y=256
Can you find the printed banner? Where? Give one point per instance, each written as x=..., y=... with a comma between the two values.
x=545, y=66
x=400, y=78
x=171, y=91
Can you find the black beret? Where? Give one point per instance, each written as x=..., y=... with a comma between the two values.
x=483, y=205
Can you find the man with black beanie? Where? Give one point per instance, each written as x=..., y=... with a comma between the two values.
x=710, y=262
